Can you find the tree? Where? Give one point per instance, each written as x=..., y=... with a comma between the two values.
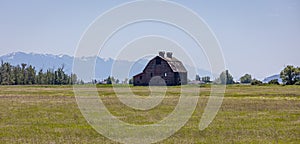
x=49, y=76
x=130, y=81
x=290, y=75
x=94, y=81
x=110, y=80
x=31, y=75
x=40, y=77
x=117, y=81
x=197, y=78
x=206, y=79
x=73, y=79
x=125, y=81
x=17, y=74
x=26, y=75
x=1, y=71
x=60, y=77
x=274, y=81
x=225, y=78
x=256, y=82
x=246, y=78
x=297, y=79
x=7, y=75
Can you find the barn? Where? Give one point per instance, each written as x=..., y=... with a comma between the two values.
x=162, y=70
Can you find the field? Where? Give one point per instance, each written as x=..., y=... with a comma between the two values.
x=249, y=114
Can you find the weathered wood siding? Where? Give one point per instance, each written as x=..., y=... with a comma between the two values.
x=160, y=67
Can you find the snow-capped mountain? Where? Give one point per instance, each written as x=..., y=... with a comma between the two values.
x=39, y=61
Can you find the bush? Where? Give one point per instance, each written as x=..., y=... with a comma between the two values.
x=246, y=78
x=274, y=81
x=256, y=82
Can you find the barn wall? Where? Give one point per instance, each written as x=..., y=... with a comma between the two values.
x=137, y=81
x=163, y=70
x=155, y=69
x=152, y=69
x=183, y=78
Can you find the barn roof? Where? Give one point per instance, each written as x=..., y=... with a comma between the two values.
x=175, y=64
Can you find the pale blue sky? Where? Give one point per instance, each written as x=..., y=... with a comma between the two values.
x=257, y=37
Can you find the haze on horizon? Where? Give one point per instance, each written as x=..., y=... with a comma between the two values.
x=256, y=37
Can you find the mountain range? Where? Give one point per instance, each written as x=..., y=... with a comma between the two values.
x=277, y=76
x=103, y=66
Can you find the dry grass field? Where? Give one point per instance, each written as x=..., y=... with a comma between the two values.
x=249, y=114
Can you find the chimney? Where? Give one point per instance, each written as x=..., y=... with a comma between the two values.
x=169, y=54
x=162, y=53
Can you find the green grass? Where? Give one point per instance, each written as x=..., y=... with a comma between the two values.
x=249, y=114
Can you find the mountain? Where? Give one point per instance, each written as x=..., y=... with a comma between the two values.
x=277, y=76
x=103, y=66
x=40, y=61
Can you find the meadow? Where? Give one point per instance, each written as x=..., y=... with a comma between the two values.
x=249, y=114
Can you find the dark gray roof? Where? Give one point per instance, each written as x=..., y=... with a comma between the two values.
x=175, y=64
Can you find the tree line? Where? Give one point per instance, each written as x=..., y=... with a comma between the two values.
x=290, y=75
x=27, y=75
x=112, y=80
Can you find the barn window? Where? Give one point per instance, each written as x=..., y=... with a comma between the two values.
x=151, y=74
x=165, y=74
x=141, y=77
x=158, y=61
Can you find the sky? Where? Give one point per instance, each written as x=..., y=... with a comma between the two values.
x=258, y=37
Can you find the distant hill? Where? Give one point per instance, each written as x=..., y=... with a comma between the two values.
x=267, y=79
x=103, y=66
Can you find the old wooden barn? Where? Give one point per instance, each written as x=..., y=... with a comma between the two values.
x=162, y=70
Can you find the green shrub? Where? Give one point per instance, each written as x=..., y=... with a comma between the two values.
x=274, y=81
x=256, y=82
